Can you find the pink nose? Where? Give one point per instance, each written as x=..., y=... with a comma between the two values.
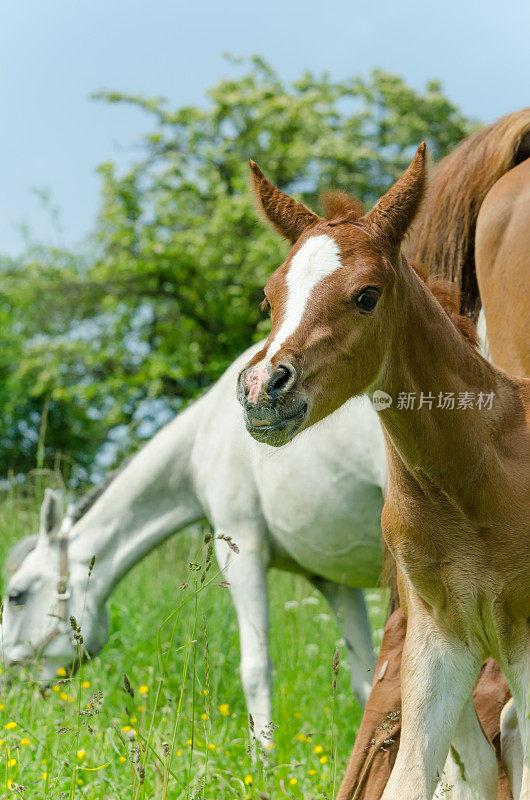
x=255, y=380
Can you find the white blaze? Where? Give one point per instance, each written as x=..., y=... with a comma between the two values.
x=316, y=259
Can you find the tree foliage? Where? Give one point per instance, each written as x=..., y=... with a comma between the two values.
x=172, y=292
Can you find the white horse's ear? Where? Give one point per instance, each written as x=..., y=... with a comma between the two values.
x=51, y=514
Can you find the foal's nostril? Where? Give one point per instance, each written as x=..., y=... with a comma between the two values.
x=282, y=378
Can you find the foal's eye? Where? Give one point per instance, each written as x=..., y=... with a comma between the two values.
x=367, y=299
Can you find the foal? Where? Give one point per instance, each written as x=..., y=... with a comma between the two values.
x=350, y=315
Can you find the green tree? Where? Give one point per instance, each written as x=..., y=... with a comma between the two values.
x=173, y=292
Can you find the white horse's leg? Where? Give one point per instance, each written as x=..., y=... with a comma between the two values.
x=471, y=768
x=349, y=607
x=511, y=747
x=437, y=680
x=246, y=573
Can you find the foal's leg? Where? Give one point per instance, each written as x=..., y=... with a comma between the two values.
x=471, y=766
x=511, y=747
x=517, y=671
x=246, y=572
x=437, y=680
x=349, y=607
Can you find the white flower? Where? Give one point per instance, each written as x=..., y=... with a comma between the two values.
x=291, y=605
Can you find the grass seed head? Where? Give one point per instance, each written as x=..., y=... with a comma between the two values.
x=127, y=686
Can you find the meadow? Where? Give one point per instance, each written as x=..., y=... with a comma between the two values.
x=177, y=726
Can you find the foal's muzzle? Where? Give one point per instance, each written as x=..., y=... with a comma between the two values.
x=274, y=405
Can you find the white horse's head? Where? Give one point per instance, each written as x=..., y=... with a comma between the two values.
x=45, y=587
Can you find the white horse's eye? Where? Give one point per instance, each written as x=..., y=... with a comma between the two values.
x=17, y=597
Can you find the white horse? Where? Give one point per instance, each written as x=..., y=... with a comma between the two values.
x=312, y=508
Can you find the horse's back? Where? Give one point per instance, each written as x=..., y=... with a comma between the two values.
x=502, y=253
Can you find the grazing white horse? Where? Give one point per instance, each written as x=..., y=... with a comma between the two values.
x=312, y=508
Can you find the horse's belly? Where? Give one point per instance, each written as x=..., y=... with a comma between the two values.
x=332, y=529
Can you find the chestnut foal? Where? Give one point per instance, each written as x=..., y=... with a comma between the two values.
x=349, y=315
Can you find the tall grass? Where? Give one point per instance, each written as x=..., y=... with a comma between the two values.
x=160, y=713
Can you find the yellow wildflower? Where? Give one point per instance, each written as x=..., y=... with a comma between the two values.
x=211, y=746
x=323, y=759
x=11, y=762
x=248, y=780
x=133, y=720
x=326, y=709
x=63, y=696
x=80, y=781
x=179, y=752
x=224, y=708
x=86, y=685
x=325, y=777
x=122, y=758
x=2, y=706
x=318, y=749
x=301, y=737
x=44, y=776
x=81, y=754
x=61, y=672
x=312, y=772
x=271, y=746
x=204, y=716
x=9, y=726
x=143, y=689
x=140, y=708
x=25, y=741
x=297, y=715
x=293, y=781
x=56, y=688
x=126, y=729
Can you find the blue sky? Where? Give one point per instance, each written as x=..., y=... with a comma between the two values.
x=54, y=53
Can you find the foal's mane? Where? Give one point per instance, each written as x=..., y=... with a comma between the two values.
x=340, y=207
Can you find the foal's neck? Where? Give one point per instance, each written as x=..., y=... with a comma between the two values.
x=451, y=408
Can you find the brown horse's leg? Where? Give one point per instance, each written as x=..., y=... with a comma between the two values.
x=491, y=694
x=377, y=742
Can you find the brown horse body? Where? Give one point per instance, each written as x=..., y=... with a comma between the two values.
x=351, y=315
x=503, y=268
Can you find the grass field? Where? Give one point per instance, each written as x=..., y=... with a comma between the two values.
x=191, y=699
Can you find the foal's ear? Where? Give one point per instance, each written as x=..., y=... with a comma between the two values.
x=393, y=213
x=289, y=217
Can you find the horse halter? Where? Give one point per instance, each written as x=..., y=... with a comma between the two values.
x=63, y=594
